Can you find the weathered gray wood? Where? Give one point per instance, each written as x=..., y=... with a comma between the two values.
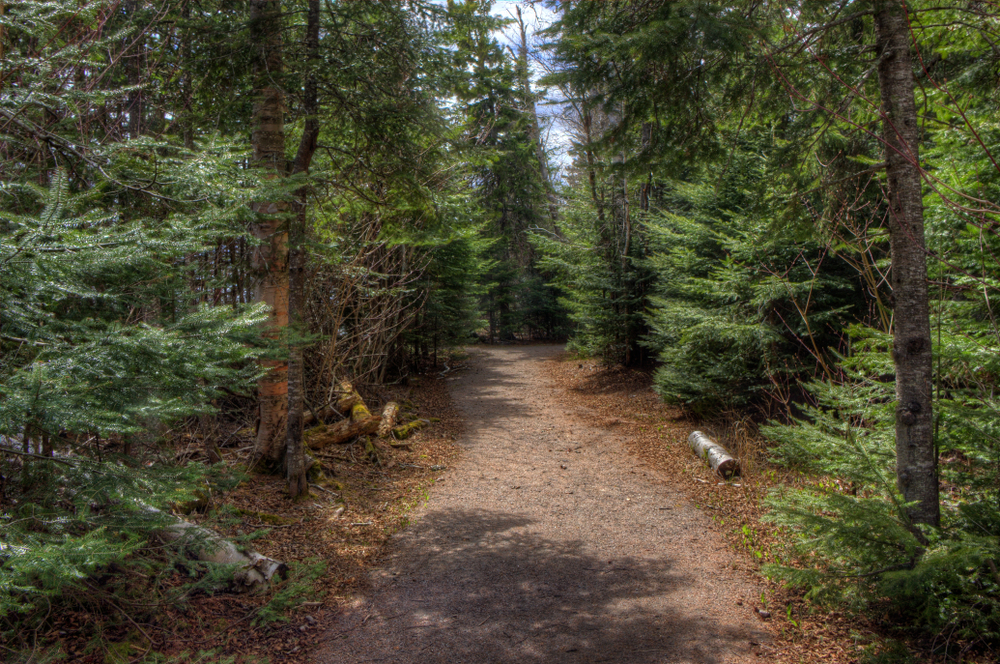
x=253, y=570
x=713, y=454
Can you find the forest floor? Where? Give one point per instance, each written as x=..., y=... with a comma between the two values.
x=552, y=512
x=575, y=527
x=331, y=540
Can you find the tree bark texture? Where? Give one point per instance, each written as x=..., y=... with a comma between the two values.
x=186, y=84
x=295, y=458
x=133, y=63
x=342, y=432
x=713, y=454
x=270, y=258
x=591, y=165
x=916, y=456
x=389, y=416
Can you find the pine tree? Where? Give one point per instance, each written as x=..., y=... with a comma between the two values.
x=101, y=342
x=503, y=148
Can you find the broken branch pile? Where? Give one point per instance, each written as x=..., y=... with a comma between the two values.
x=357, y=421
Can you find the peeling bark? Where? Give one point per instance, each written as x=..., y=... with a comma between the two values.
x=713, y=454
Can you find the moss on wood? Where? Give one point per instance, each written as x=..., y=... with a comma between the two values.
x=404, y=431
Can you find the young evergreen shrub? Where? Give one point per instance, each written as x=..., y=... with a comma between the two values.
x=853, y=541
x=75, y=364
x=450, y=314
x=738, y=303
x=75, y=516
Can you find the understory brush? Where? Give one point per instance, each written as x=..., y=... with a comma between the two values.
x=853, y=541
x=78, y=539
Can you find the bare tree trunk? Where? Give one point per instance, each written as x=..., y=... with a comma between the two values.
x=591, y=165
x=646, y=141
x=916, y=457
x=534, y=130
x=295, y=463
x=133, y=63
x=188, y=94
x=270, y=258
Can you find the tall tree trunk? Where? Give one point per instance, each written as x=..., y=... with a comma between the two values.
x=916, y=457
x=270, y=258
x=587, y=118
x=187, y=86
x=133, y=65
x=295, y=464
x=646, y=142
x=534, y=130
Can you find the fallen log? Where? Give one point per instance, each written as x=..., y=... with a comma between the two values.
x=713, y=454
x=347, y=397
x=359, y=411
x=341, y=432
x=253, y=571
x=389, y=415
x=361, y=422
x=404, y=431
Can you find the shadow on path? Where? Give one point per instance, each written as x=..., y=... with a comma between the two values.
x=544, y=545
x=484, y=589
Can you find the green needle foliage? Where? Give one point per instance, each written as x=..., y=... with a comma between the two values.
x=504, y=166
x=741, y=307
x=854, y=543
x=724, y=217
x=49, y=548
x=101, y=341
x=80, y=356
x=728, y=189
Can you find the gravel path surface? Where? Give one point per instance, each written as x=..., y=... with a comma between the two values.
x=548, y=543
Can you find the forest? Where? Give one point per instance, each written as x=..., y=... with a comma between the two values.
x=230, y=228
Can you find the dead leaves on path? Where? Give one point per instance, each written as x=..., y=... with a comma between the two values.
x=622, y=401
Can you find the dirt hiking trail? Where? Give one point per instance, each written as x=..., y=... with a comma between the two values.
x=547, y=543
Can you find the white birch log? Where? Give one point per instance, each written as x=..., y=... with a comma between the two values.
x=389, y=415
x=253, y=571
x=713, y=454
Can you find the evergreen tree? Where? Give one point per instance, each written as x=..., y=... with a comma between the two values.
x=101, y=339
x=507, y=164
